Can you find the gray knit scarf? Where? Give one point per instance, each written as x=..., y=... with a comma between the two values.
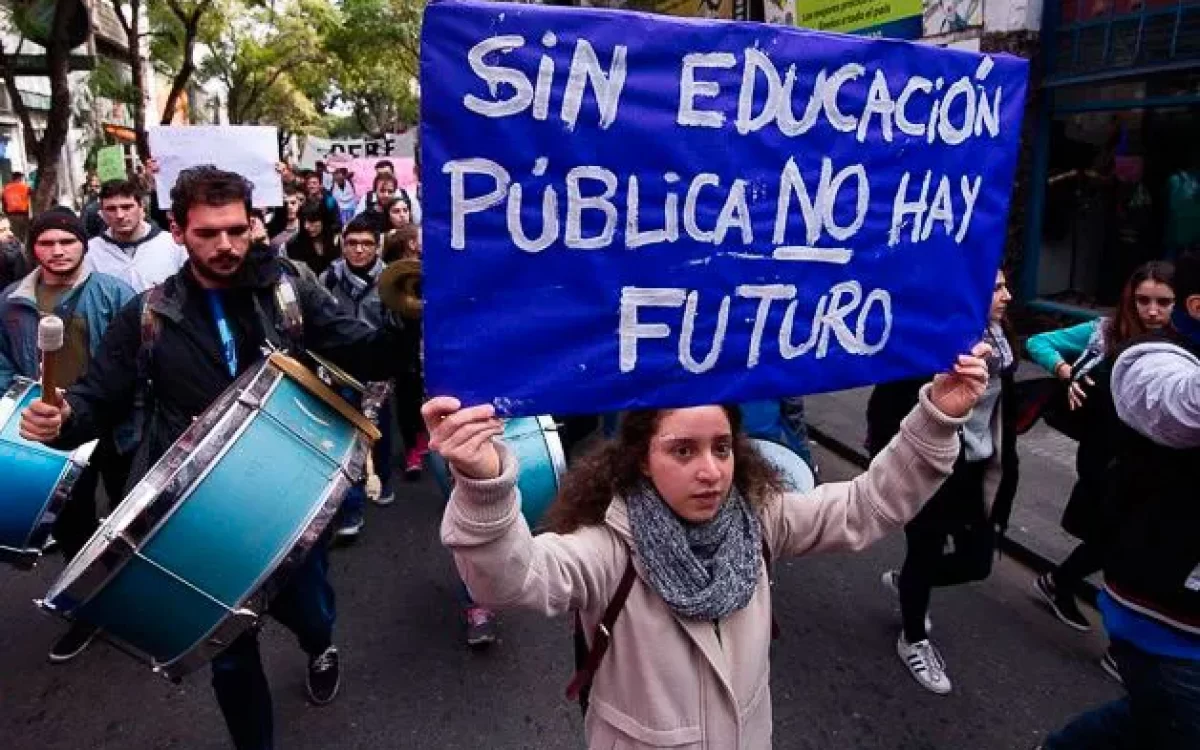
x=702, y=571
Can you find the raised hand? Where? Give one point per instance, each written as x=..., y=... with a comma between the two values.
x=955, y=393
x=464, y=436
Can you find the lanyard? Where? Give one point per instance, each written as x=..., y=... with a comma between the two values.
x=227, y=343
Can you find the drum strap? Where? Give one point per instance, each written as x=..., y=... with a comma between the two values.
x=587, y=661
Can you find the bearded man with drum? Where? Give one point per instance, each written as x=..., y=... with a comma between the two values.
x=211, y=322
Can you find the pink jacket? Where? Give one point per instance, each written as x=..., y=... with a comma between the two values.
x=666, y=681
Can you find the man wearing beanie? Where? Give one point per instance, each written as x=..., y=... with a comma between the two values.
x=61, y=284
x=131, y=248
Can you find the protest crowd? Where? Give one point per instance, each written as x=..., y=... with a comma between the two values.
x=169, y=309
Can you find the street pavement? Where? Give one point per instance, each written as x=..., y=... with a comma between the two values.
x=409, y=682
x=1047, y=466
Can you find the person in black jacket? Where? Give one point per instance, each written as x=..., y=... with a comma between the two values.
x=953, y=539
x=214, y=318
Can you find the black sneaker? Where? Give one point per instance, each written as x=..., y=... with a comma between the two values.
x=72, y=643
x=324, y=676
x=1063, y=604
x=481, y=627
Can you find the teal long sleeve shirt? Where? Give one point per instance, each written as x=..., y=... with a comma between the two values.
x=1064, y=345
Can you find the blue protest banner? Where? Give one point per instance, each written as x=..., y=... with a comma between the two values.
x=624, y=210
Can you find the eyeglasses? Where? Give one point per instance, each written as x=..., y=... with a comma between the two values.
x=360, y=244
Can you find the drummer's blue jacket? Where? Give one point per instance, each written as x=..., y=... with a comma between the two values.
x=186, y=367
x=96, y=297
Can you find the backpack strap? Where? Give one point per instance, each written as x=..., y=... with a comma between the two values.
x=587, y=661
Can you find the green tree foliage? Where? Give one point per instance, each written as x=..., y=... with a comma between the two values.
x=376, y=47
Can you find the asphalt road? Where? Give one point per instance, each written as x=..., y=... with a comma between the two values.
x=409, y=682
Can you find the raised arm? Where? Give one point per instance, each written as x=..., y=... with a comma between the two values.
x=855, y=514
x=1054, y=348
x=502, y=563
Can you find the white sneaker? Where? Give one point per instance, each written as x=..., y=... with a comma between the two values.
x=924, y=664
x=385, y=500
x=891, y=579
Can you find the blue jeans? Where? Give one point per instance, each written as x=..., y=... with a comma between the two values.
x=381, y=454
x=1160, y=712
x=306, y=607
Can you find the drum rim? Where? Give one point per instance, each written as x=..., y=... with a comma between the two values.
x=254, y=605
x=224, y=420
x=558, y=456
x=74, y=463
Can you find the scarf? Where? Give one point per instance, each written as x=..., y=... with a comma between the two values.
x=357, y=286
x=702, y=571
x=1002, y=354
x=1185, y=325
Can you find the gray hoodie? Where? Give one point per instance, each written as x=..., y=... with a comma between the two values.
x=1156, y=389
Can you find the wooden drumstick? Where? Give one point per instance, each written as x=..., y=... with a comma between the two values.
x=50, y=342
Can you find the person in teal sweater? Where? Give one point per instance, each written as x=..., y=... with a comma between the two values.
x=1081, y=357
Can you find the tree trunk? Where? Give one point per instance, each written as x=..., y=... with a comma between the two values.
x=191, y=29
x=58, y=119
x=138, y=75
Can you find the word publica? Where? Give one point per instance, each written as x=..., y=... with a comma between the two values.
x=860, y=325
x=597, y=191
x=921, y=107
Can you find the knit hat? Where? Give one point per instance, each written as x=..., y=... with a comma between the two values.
x=59, y=217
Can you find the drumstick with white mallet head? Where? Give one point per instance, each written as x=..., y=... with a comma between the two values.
x=50, y=342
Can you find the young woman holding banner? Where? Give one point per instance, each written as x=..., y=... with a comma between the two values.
x=660, y=542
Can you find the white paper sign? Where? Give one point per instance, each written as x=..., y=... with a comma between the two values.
x=250, y=150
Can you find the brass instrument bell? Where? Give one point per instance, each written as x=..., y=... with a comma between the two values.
x=400, y=288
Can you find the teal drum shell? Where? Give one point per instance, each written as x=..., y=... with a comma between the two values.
x=194, y=553
x=543, y=464
x=37, y=480
x=796, y=473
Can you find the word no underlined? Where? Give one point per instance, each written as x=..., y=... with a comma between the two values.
x=836, y=255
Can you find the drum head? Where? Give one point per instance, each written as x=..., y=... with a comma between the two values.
x=796, y=474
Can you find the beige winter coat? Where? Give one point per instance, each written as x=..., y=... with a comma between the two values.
x=666, y=681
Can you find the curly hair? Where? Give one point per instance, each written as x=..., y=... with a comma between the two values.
x=208, y=186
x=614, y=468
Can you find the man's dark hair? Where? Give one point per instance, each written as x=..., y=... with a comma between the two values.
x=208, y=186
x=319, y=166
x=292, y=188
x=18, y=175
x=309, y=174
x=361, y=224
x=382, y=178
x=342, y=170
x=120, y=189
x=1187, y=275
x=385, y=163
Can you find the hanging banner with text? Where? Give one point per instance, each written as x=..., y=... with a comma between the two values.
x=721, y=212
x=891, y=19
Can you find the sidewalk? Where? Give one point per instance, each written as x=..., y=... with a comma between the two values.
x=838, y=422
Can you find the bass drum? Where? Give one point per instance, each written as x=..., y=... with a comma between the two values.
x=796, y=473
x=536, y=443
x=195, y=552
x=37, y=480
